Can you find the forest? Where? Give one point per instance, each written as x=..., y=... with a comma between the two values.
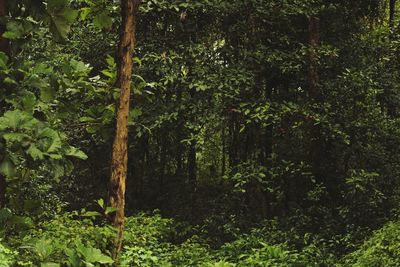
x=207, y=133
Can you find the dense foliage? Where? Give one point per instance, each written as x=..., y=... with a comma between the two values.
x=261, y=133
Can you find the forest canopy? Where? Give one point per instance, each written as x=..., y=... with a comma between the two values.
x=203, y=133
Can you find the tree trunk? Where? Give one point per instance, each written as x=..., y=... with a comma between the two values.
x=392, y=12
x=192, y=171
x=3, y=186
x=223, y=156
x=315, y=94
x=314, y=39
x=119, y=164
x=4, y=47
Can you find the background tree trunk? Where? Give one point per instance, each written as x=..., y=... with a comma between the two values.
x=392, y=12
x=315, y=94
x=3, y=186
x=3, y=48
x=119, y=164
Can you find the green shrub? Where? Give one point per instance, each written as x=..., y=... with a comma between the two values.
x=382, y=249
x=7, y=256
x=67, y=239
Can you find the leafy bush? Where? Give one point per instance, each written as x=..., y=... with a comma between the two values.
x=67, y=239
x=382, y=249
x=7, y=256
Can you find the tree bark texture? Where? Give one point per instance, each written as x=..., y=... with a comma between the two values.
x=4, y=45
x=192, y=171
x=5, y=49
x=315, y=94
x=119, y=162
x=314, y=40
x=392, y=12
x=3, y=186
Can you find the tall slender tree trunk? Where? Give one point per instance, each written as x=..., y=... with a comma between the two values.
x=391, y=106
x=4, y=47
x=223, y=156
x=314, y=39
x=119, y=164
x=179, y=138
x=392, y=12
x=314, y=93
x=3, y=186
x=192, y=172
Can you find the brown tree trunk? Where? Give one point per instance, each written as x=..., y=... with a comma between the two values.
x=3, y=48
x=4, y=45
x=223, y=156
x=392, y=12
x=192, y=172
x=315, y=94
x=314, y=39
x=119, y=164
x=3, y=186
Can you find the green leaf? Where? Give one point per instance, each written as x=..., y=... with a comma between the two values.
x=54, y=140
x=85, y=12
x=58, y=171
x=101, y=203
x=15, y=137
x=47, y=93
x=35, y=153
x=10, y=81
x=17, y=119
x=110, y=210
x=94, y=255
x=74, y=152
x=7, y=167
x=44, y=248
x=73, y=258
x=29, y=102
x=61, y=18
x=3, y=60
x=103, y=20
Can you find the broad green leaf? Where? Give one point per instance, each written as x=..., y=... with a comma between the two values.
x=15, y=137
x=94, y=255
x=47, y=93
x=17, y=119
x=103, y=20
x=29, y=102
x=35, y=153
x=54, y=140
x=3, y=60
x=58, y=171
x=61, y=18
x=44, y=248
x=7, y=167
x=85, y=12
x=73, y=258
x=74, y=152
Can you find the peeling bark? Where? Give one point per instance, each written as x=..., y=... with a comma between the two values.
x=119, y=164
